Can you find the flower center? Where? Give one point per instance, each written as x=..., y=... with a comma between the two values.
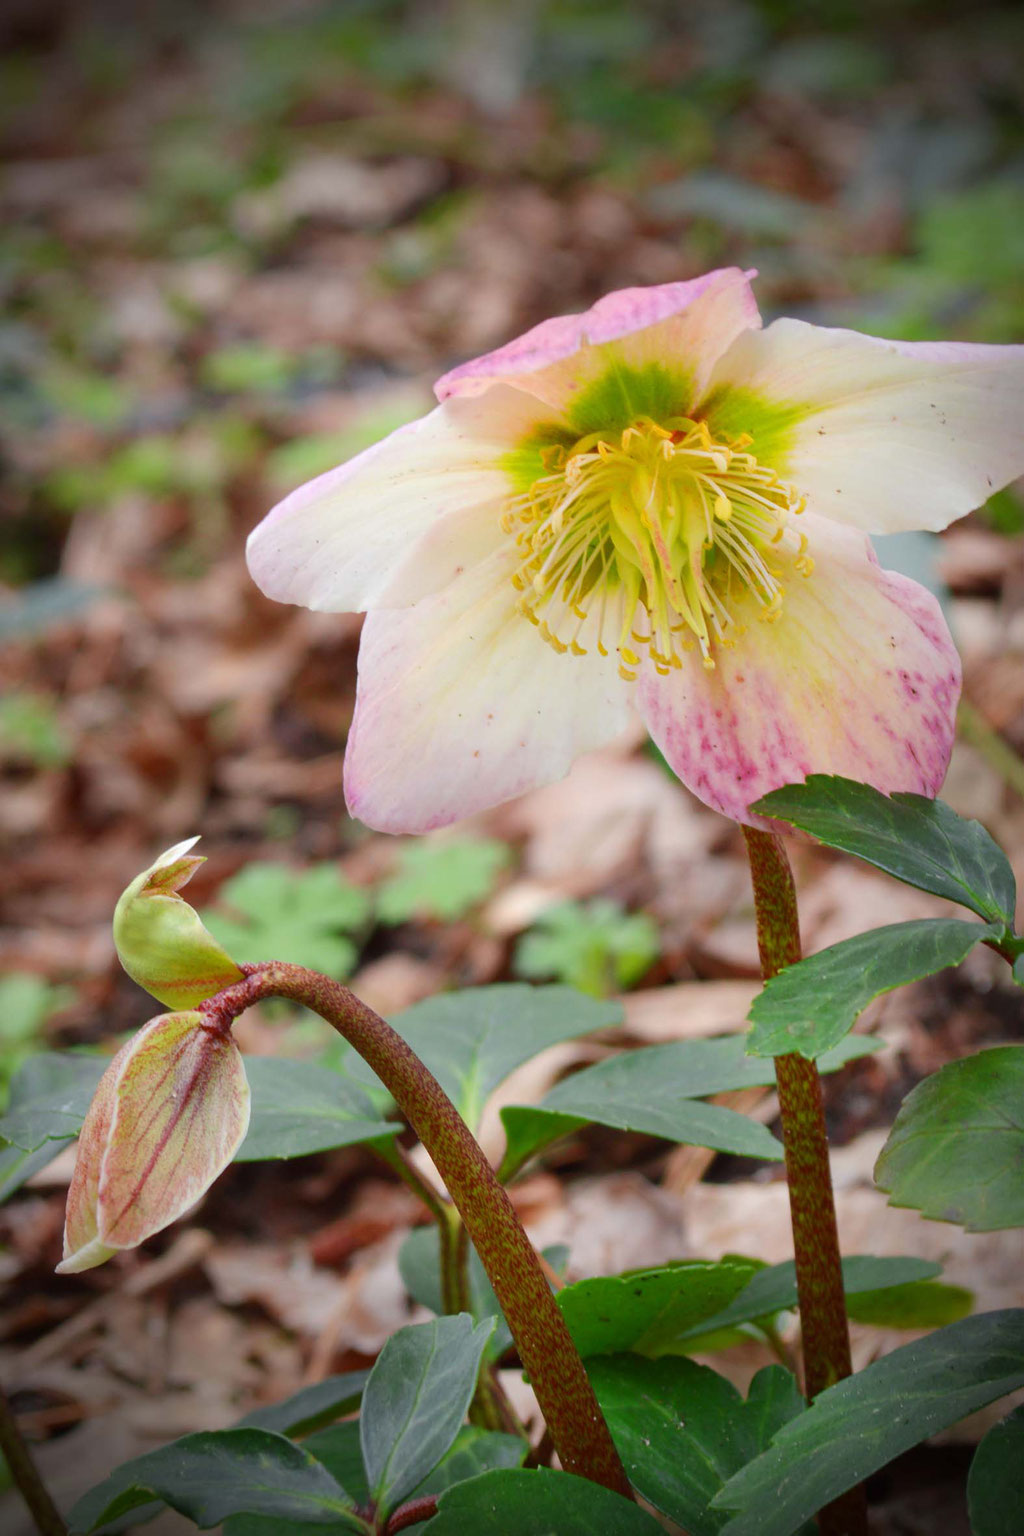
x=652, y=536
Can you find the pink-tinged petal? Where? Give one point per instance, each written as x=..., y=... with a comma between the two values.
x=462, y=705
x=882, y=435
x=169, y=1114
x=338, y=542
x=678, y=328
x=859, y=677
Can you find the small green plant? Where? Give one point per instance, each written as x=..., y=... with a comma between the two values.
x=30, y=730
x=595, y=946
x=309, y=917
x=441, y=880
x=27, y=1003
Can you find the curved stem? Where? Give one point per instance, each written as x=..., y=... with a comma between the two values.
x=545, y=1346
x=25, y=1474
x=824, y=1328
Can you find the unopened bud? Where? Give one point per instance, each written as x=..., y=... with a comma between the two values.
x=160, y=940
x=169, y=1114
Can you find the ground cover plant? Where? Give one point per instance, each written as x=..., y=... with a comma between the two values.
x=654, y=507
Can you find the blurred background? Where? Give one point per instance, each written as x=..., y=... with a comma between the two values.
x=238, y=242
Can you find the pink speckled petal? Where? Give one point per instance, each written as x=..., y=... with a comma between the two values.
x=858, y=677
x=461, y=705
x=882, y=435
x=338, y=542
x=676, y=324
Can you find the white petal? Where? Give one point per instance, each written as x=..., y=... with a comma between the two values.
x=462, y=705
x=883, y=435
x=338, y=542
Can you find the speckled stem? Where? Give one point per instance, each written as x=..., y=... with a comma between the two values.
x=545, y=1347
x=25, y=1474
x=824, y=1329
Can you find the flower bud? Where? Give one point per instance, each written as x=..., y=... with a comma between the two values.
x=169, y=1114
x=160, y=940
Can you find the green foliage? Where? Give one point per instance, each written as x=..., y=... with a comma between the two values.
x=646, y=1310
x=27, y=1002
x=442, y=880
x=48, y=1098
x=311, y=1408
x=995, y=1485
x=415, y=1401
x=30, y=730
x=299, y=1108
x=249, y=366
x=810, y=1006
x=682, y=1430
x=594, y=946
x=956, y=1149
x=305, y=917
x=537, y=1503
x=867, y=1420
x=922, y=842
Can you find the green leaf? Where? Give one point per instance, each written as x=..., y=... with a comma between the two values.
x=537, y=1504
x=652, y=1091
x=419, y=1263
x=211, y=1476
x=299, y=1107
x=26, y=1003
x=415, y=1401
x=304, y=917
x=682, y=1430
x=920, y=841
x=869, y=1419
x=648, y=1309
x=310, y=1408
x=595, y=946
x=810, y=1006
x=49, y=1097
x=17, y=1167
x=442, y=880
x=472, y=1040
x=919, y=1304
x=995, y=1483
x=773, y=1289
x=956, y=1149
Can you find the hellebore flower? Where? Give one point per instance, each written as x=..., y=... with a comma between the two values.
x=170, y=1112
x=655, y=503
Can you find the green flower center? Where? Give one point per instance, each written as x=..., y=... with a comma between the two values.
x=652, y=535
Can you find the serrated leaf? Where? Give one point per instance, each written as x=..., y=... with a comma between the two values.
x=810, y=1006
x=956, y=1149
x=442, y=880
x=305, y=917
x=211, y=1476
x=299, y=1108
x=49, y=1097
x=595, y=946
x=920, y=841
x=869, y=1419
x=995, y=1483
x=472, y=1040
x=311, y=1408
x=538, y=1503
x=652, y=1091
x=682, y=1430
x=415, y=1401
x=647, y=1309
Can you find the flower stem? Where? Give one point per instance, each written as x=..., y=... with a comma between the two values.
x=25, y=1474
x=819, y=1276
x=545, y=1346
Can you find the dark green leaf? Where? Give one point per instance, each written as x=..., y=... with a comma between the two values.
x=868, y=1420
x=311, y=1408
x=49, y=1098
x=415, y=1401
x=649, y=1308
x=16, y=1166
x=995, y=1483
x=474, y=1451
x=472, y=1040
x=340, y=1449
x=922, y=842
x=920, y=1304
x=773, y=1288
x=211, y=1476
x=653, y=1091
x=810, y=1006
x=956, y=1149
x=682, y=1430
x=299, y=1107
x=537, y=1504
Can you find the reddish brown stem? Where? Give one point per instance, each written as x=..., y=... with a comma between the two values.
x=411, y=1514
x=819, y=1276
x=545, y=1346
x=25, y=1474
